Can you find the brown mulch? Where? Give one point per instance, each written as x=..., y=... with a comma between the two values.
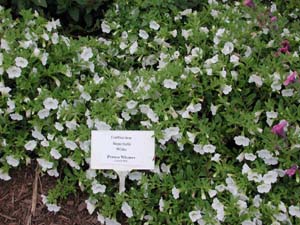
x=21, y=203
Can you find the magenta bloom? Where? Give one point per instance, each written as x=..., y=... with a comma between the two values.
x=285, y=47
x=279, y=128
x=291, y=171
x=249, y=3
x=273, y=19
x=290, y=79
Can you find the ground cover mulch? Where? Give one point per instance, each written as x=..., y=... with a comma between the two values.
x=21, y=202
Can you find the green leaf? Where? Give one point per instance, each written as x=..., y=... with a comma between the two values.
x=81, y=2
x=74, y=13
x=88, y=19
x=41, y=3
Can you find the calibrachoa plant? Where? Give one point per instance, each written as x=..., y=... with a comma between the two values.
x=220, y=88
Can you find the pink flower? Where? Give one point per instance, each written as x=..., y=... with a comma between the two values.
x=291, y=171
x=285, y=47
x=249, y=3
x=279, y=128
x=273, y=19
x=290, y=79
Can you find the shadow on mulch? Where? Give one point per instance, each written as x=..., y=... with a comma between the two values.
x=16, y=202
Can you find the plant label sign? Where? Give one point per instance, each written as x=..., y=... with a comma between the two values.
x=122, y=150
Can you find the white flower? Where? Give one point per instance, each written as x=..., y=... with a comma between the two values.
x=21, y=62
x=86, y=54
x=135, y=176
x=294, y=211
x=12, y=161
x=55, y=154
x=226, y=89
x=195, y=70
x=16, y=116
x=228, y=48
x=133, y=48
x=174, y=33
x=191, y=136
x=105, y=27
x=153, y=25
x=111, y=222
x=216, y=157
x=198, y=149
x=53, y=173
x=250, y=156
x=272, y=114
x=13, y=72
x=45, y=164
x=248, y=222
x=90, y=205
x=219, y=207
x=212, y=193
x=264, y=188
x=257, y=201
x=131, y=104
x=175, y=192
x=161, y=205
x=70, y=145
x=195, y=215
x=270, y=177
x=256, y=79
x=98, y=188
x=287, y=92
x=30, y=145
x=143, y=34
x=100, y=125
x=4, y=175
x=72, y=163
x=58, y=126
x=186, y=33
x=54, y=38
x=170, y=84
x=43, y=113
x=234, y=59
x=50, y=103
x=127, y=210
x=209, y=148
x=241, y=140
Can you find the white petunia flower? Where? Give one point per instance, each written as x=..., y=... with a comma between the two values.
x=50, y=103
x=248, y=222
x=198, y=149
x=287, y=92
x=264, y=188
x=45, y=164
x=100, y=125
x=90, y=205
x=256, y=79
x=175, y=192
x=219, y=207
x=4, y=45
x=53, y=173
x=12, y=161
x=105, y=27
x=133, y=48
x=212, y=193
x=55, y=38
x=72, y=163
x=161, y=204
x=58, y=126
x=4, y=175
x=250, y=156
x=226, y=89
x=270, y=177
x=16, y=116
x=13, y=72
x=234, y=59
x=43, y=113
x=131, y=104
x=294, y=211
x=30, y=145
x=98, y=188
x=209, y=148
x=242, y=141
x=143, y=34
x=170, y=84
x=186, y=33
x=228, y=48
x=86, y=54
x=195, y=215
x=154, y=25
x=21, y=62
x=70, y=145
x=55, y=154
x=127, y=210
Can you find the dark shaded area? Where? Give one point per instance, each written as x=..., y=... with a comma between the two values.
x=16, y=202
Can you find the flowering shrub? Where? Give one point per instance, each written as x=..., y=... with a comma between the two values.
x=216, y=86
